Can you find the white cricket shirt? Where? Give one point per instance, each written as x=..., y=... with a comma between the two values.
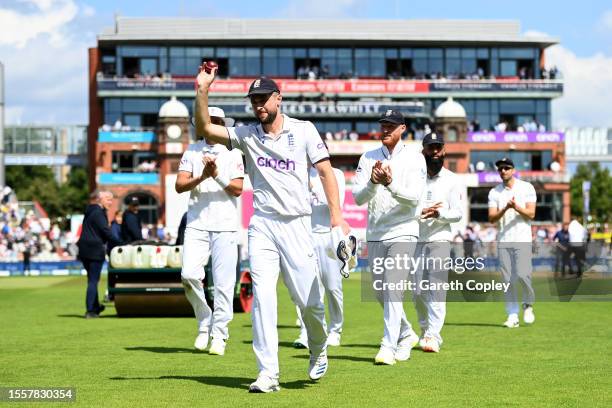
x=446, y=189
x=210, y=207
x=320, y=219
x=513, y=227
x=278, y=165
x=392, y=210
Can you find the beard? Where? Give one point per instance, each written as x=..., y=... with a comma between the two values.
x=269, y=119
x=434, y=164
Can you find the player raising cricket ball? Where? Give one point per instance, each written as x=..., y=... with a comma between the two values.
x=278, y=151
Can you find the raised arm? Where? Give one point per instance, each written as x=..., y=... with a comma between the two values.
x=203, y=125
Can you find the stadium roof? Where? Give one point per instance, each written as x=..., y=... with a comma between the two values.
x=245, y=30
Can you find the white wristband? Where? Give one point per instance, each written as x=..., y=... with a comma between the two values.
x=224, y=181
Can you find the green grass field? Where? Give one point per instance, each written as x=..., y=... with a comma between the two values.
x=563, y=360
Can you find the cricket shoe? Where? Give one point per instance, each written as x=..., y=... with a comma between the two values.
x=405, y=346
x=333, y=339
x=300, y=343
x=201, y=342
x=430, y=345
x=385, y=356
x=528, y=315
x=318, y=365
x=512, y=321
x=264, y=384
x=217, y=347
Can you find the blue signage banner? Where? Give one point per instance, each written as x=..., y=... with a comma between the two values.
x=128, y=178
x=126, y=137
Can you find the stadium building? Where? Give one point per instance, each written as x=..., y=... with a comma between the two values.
x=482, y=83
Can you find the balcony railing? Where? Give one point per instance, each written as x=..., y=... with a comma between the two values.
x=344, y=86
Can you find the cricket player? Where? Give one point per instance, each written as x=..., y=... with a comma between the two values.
x=214, y=176
x=278, y=150
x=512, y=204
x=391, y=179
x=442, y=204
x=328, y=268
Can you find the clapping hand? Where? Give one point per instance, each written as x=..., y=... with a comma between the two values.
x=431, y=212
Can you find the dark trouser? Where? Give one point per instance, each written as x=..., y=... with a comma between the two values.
x=94, y=269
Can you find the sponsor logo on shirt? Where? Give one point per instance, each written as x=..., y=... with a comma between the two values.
x=277, y=164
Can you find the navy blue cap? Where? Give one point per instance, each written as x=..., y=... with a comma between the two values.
x=505, y=161
x=262, y=86
x=392, y=116
x=433, y=138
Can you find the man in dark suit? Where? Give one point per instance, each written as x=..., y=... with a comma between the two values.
x=95, y=236
x=131, y=228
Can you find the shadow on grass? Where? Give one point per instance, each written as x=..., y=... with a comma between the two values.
x=81, y=316
x=280, y=326
x=164, y=350
x=287, y=344
x=474, y=324
x=220, y=381
x=348, y=358
x=372, y=345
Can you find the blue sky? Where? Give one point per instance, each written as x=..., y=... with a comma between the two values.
x=43, y=44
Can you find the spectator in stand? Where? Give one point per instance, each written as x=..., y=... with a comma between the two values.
x=116, y=226
x=329, y=136
x=577, y=239
x=353, y=136
x=131, y=228
x=96, y=240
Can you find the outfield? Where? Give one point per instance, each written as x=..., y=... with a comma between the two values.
x=563, y=360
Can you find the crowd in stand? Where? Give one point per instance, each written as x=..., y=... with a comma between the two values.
x=26, y=237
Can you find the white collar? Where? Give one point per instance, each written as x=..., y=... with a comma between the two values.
x=398, y=148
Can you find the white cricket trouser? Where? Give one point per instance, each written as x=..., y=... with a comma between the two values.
x=397, y=325
x=331, y=278
x=198, y=246
x=515, y=265
x=431, y=304
x=285, y=243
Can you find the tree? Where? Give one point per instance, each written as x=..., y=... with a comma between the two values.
x=601, y=191
x=37, y=183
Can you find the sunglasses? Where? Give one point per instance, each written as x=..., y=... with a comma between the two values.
x=504, y=168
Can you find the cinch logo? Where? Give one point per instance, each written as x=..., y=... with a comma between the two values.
x=276, y=164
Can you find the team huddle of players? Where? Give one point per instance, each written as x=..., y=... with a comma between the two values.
x=412, y=200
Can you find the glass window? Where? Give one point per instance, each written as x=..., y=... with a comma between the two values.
x=419, y=53
x=482, y=106
x=468, y=66
x=222, y=52
x=453, y=66
x=519, y=53
x=138, y=51
x=436, y=66
x=177, y=51
x=452, y=53
x=132, y=120
x=508, y=68
x=192, y=52
x=314, y=52
x=299, y=52
x=148, y=66
x=517, y=106
x=436, y=53
x=482, y=53
x=468, y=52
x=391, y=53
x=406, y=53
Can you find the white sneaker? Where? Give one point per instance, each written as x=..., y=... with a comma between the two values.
x=430, y=345
x=385, y=356
x=318, y=366
x=528, y=315
x=512, y=321
x=405, y=345
x=333, y=339
x=264, y=384
x=217, y=347
x=298, y=323
x=300, y=343
x=201, y=342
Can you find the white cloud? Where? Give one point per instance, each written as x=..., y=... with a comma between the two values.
x=45, y=64
x=87, y=10
x=605, y=22
x=320, y=8
x=586, y=86
x=17, y=28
